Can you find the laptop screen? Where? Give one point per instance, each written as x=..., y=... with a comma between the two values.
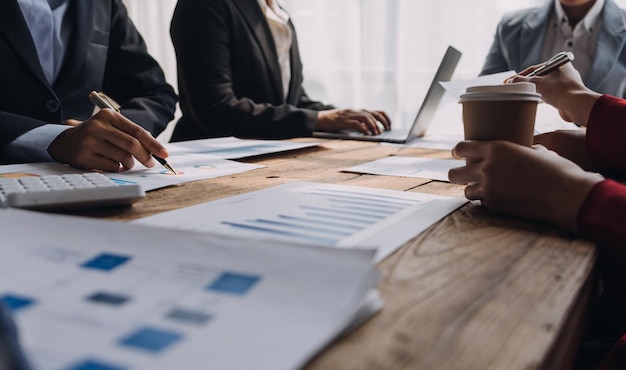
x=435, y=92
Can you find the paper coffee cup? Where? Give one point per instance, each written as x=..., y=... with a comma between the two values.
x=500, y=112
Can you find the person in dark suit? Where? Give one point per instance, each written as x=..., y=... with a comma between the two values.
x=54, y=52
x=240, y=74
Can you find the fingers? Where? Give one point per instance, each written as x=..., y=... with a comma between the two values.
x=471, y=176
x=72, y=122
x=521, y=76
x=139, y=133
x=381, y=117
x=368, y=122
x=474, y=191
x=106, y=141
x=469, y=149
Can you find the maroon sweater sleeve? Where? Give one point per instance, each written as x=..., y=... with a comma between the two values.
x=602, y=216
x=606, y=134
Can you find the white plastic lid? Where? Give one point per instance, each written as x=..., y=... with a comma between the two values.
x=511, y=91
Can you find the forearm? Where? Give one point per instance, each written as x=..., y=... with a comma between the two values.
x=577, y=104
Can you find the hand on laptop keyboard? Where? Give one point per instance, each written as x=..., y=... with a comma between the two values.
x=364, y=121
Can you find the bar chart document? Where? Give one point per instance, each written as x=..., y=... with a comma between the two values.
x=322, y=214
x=100, y=295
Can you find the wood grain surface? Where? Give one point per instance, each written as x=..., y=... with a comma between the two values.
x=475, y=291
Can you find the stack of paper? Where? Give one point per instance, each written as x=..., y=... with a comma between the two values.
x=93, y=294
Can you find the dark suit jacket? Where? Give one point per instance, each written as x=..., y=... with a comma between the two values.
x=228, y=74
x=106, y=53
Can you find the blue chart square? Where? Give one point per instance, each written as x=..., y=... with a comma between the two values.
x=106, y=262
x=233, y=283
x=16, y=303
x=95, y=365
x=151, y=340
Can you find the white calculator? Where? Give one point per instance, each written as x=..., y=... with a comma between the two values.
x=57, y=192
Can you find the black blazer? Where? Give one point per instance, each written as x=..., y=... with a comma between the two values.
x=229, y=78
x=106, y=53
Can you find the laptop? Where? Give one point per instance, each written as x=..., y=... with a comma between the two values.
x=424, y=115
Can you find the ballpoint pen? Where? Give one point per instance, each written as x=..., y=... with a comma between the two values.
x=553, y=63
x=101, y=100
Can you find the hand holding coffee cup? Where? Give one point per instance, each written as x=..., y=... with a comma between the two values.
x=500, y=112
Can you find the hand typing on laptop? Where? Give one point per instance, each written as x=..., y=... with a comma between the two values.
x=363, y=121
x=362, y=125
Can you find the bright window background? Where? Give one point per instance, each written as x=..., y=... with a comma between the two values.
x=366, y=53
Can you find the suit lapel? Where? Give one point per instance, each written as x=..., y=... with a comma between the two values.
x=533, y=36
x=14, y=30
x=609, y=45
x=295, y=65
x=262, y=34
x=84, y=19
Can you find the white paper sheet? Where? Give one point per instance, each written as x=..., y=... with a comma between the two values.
x=424, y=168
x=189, y=167
x=109, y=295
x=234, y=148
x=322, y=214
x=458, y=87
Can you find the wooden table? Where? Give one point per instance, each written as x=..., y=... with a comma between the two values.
x=475, y=291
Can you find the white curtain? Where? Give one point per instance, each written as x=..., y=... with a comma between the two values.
x=366, y=53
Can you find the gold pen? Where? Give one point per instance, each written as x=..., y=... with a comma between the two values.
x=101, y=100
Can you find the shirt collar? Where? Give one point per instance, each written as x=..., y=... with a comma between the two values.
x=590, y=20
x=264, y=5
x=276, y=10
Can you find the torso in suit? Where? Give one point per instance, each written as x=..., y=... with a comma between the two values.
x=520, y=38
x=229, y=78
x=106, y=53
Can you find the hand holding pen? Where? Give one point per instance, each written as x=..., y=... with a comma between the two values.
x=101, y=100
x=563, y=88
x=107, y=141
x=546, y=67
x=553, y=63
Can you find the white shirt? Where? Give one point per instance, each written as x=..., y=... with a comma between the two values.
x=50, y=34
x=581, y=40
x=278, y=21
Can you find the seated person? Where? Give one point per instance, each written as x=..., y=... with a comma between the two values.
x=585, y=27
x=54, y=52
x=240, y=74
x=563, y=186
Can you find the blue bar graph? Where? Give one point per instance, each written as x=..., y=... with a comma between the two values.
x=326, y=216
